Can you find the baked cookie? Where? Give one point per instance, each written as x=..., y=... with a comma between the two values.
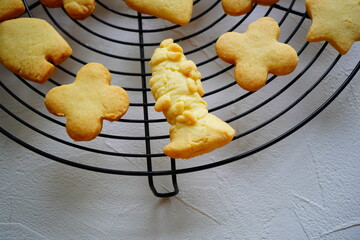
x=87, y=101
x=175, y=11
x=239, y=7
x=76, y=9
x=257, y=53
x=28, y=45
x=10, y=9
x=337, y=22
x=176, y=87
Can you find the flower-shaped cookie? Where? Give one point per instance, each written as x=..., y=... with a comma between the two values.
x=239, y=7
x=257, y=53
x=76, y=9
x=87, y=101
x=334, y=21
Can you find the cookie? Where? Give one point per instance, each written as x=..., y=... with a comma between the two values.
x=28, y=45
x=175, y=11
x=337, y=22
x=87, y=101
x=76, y=9
x=176, y=87
x=257, y=53
x=10, y=9
x=239, y=7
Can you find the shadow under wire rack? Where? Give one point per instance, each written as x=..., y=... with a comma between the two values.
x=124, y=40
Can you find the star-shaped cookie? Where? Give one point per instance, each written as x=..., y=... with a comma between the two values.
x=87, y=101
x=334, y=21
x=257, y=53
x=175, y=11
x=239, y=7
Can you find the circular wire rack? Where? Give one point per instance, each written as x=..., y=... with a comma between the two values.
x=124, y=40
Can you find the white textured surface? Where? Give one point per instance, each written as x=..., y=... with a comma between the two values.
x=304, y=187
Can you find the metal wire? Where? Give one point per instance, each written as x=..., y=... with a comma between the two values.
x=142, y=45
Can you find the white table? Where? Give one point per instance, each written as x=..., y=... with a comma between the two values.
x=304, y=187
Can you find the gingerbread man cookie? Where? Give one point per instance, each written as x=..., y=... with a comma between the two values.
x=28, y=45
x=87, y=101
x=239, y=7
x=176, y=87
x=175, y=11
x=337, y=22
x=257, y=53
x=76, y=9
x=10, y=9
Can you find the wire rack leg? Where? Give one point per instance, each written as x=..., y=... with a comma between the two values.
x=173, y=179
x=146, y=124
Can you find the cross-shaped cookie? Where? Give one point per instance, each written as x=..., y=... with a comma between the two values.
x=334, y=21
x=87, y=101
x=239, y=7
x=257, y=53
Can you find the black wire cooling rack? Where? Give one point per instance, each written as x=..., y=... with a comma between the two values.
x=124, y=41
